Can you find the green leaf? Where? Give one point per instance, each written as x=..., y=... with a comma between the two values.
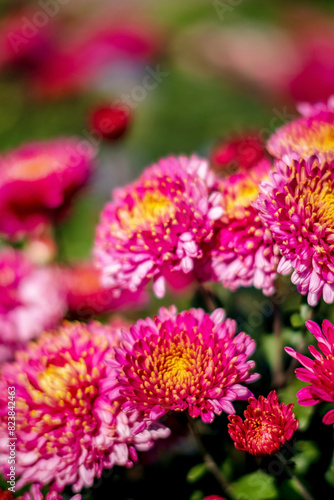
x=329, y=475
x=196, y=472
x=196, y=495
x=296, y=320
x=307, y=453
x=255, y=486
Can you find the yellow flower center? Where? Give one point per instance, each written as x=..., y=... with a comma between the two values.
x=310, y=140
x=326, y=204
x=245, y=193
x=33, y=169
x=153, y=207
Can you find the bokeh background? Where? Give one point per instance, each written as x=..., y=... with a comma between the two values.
x=191, y=73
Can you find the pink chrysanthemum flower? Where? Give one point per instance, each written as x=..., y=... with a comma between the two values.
x=311, y=134
x=188, y=361
x=38, y=180
x=297, y=205
x=67, y=427
x=243, y=251
x=31, y=299
x=35, y=493
x=267, y=426
x=87, y=297
x=213, y=497
x=157, y=223
x=318, y=372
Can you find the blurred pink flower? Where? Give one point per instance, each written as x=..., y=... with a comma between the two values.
x=311, y=134
x=32, y=299
x=87, y=297
x=38, y=181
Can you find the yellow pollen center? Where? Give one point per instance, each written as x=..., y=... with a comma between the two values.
x=326, y=204
x=33, y=169
x=152, y=208
x=309, y=140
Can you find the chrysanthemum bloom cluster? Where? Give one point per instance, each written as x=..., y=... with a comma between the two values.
x=244, y=253
x=311, y=134
x=297, y=204
x=67, y=427
x=31, y=300
x=86, y=296
x=38, y=180
x=267, y=426
x=318, y=372
x=159, y=222
x=188, y=361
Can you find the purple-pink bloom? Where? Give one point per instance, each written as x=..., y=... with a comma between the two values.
x=38, y=181
x=32, y=299
x=158, y=224
x=297, y=205
x=308, y=135
x=317, y=372
x=243, y=251
x=188, y=361
x=68, y=428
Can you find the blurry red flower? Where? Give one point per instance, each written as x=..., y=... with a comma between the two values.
x=238, y=152
x=110, y=122
x=86, y=296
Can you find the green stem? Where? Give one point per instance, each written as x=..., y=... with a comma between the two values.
x=278, y=375
x=209, y=461
x=302, y=490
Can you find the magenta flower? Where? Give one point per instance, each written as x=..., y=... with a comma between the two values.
x=67, y=427
x=31, y=299
x=35, y=493
x=188, y=361
x=317, y=372
x=267, y=426
x=311, y=134
x=296, y=204
x=158, y=223
x=87, y=297
x=243, y=252
x=37, y=182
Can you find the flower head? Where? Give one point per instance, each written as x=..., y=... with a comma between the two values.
x=110, y=121
x=31, y=300
x=317, y=372
x=267, y=426
x=86, y=297
x=188, y=361
x=37, y=182
x=311, y=134
x=243, y=252
x=157, y=223
x=297, y=204
x=239, y=152
x=67, y=427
